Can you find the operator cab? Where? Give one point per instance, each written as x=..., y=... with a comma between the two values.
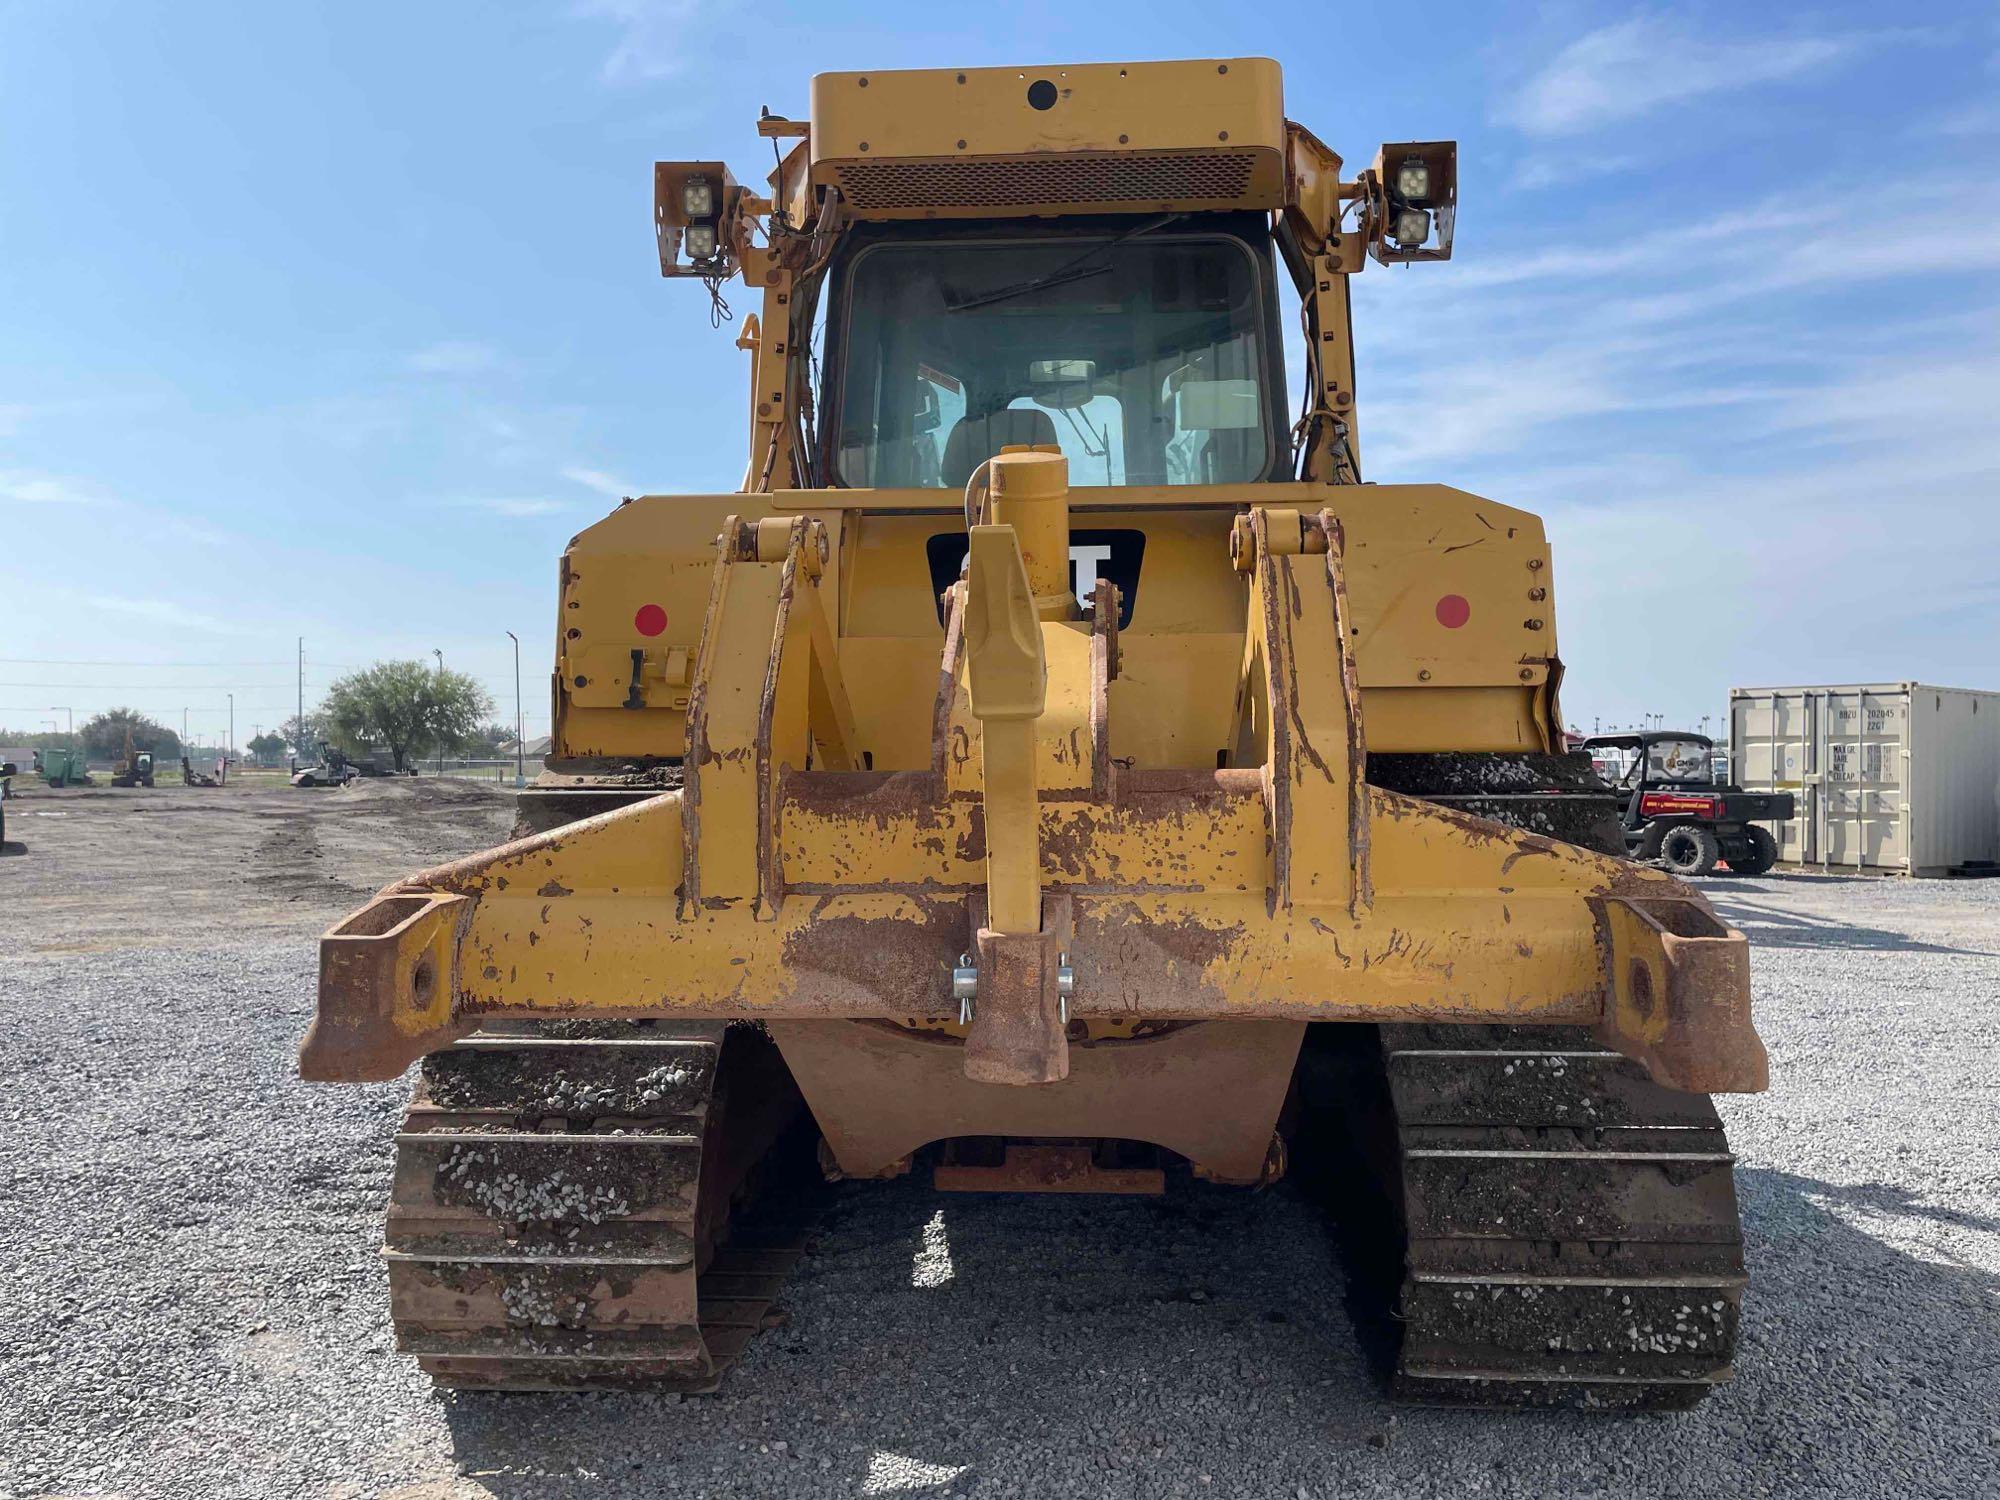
x=1145, y=349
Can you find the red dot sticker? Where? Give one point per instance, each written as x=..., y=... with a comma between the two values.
x=1453, y=611
x=651, y=619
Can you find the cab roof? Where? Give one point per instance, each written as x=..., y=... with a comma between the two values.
x=1647, y=737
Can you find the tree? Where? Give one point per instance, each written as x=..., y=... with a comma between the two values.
x=40, y=739
x=486, y=740
x=266, y=747
x=405, y=705
x=304, y=736
x=103, y=735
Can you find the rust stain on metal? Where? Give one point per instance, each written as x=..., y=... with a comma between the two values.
x=1529, y=845
x=1210, y=1092
x=1690, y=1025
x=943, y=751
x=901, y=964
x=1047, y=1169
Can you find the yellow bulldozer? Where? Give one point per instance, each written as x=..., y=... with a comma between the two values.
x=1055, y=769
x=134, y=767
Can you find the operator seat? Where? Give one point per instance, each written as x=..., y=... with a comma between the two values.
x=973, y=440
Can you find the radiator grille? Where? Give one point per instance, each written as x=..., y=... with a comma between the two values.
x=1112, y=178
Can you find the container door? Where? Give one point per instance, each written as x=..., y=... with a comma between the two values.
x=1771, y=742
x=1864, y=801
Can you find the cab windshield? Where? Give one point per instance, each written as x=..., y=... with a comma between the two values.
x=1141, y=356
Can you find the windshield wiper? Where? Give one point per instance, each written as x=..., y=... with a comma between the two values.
x=1070, y=270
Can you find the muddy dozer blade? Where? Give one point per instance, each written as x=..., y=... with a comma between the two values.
x=564, y=1208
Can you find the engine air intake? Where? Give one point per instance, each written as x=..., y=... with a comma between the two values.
x=1194, y=179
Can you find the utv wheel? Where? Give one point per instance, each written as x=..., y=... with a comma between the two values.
x=1689, y=849
x=1762, y=855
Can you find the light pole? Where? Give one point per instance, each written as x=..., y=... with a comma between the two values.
x=57, y=708
x=440, y=656
x=520, y=751
x=229, y=754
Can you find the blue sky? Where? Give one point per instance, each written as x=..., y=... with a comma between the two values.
x=338, y=321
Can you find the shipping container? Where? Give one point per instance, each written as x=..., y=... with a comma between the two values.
x=1896, y=777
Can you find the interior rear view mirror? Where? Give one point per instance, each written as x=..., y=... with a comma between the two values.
x=1062, y=384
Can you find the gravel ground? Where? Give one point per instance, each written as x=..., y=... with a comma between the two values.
x=197, y=1309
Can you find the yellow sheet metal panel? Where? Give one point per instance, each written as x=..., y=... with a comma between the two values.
x=1095, y=138
x=1172, y=698
x=1450, y=593
x=890, y=590
x=1426, y=717
x=635, y=580
x=1448, y=589
x=892, y=682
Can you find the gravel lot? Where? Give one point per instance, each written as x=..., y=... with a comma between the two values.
x=196, y=1309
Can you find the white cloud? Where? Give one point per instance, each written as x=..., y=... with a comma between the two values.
x=42, y=489
x=651, y=36
x=1982, y=118
x=163, y=611
x=510, y=506
x=609, y=485
x=196, y=530
x=349, y=421
x=1735, y=490
x=1575, y=251
x=454, y=357
x=1937, y=411
x=1788, y=242
x=1868, y=564
x=1565, y=168
x=1621, y=72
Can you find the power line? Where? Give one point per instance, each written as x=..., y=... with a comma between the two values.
x=178, y=687
x=77, y=661
x=60, y=661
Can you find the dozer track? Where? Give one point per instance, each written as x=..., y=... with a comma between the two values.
x=1571, y=1235
x=1571, y=1226
x=563, y=1214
